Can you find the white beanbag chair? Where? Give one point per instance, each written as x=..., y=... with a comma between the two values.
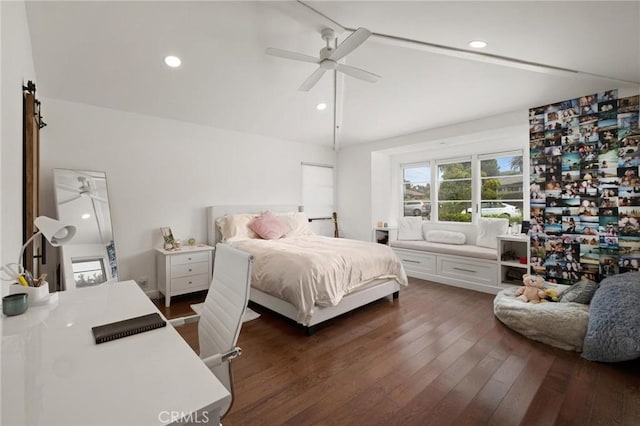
x=562, y=325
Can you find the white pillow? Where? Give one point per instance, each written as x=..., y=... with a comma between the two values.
x=489, y=229
x=236, y=227
x=297, y=224
x=410, y=228
x=446, y=237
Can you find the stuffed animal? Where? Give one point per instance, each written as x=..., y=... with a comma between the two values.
x=531, y=291
x=551, y=294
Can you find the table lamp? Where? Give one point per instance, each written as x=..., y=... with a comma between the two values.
x=53, y=230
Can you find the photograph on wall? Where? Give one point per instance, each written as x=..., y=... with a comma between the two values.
x=585, y=187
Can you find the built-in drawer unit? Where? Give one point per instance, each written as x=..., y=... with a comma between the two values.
x=460, y=271
x=416, y=263
x=184, y=271
x=476, y=271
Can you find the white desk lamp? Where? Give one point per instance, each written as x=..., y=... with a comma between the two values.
x=53, y=230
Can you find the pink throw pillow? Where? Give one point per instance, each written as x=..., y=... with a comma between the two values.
x=268, y=226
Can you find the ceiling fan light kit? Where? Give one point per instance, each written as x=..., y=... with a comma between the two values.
x=329, y=57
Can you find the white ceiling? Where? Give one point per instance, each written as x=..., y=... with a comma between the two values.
x=110, y=54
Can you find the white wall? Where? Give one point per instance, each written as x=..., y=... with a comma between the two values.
x=17, y=69
x=363, y=198
x=166, y=173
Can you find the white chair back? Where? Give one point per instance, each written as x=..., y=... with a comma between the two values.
x=224, y=306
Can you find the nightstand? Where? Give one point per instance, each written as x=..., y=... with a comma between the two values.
x=381, y=235
x=183, y=271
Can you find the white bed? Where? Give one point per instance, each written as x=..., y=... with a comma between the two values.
x=357, y=295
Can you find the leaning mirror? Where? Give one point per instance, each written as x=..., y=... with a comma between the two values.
x=82, y=200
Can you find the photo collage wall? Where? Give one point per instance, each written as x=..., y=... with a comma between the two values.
x=585, y=188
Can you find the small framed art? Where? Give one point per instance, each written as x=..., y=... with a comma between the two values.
x=167, y=235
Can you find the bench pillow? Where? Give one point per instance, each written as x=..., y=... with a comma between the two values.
x=489, y=229
x=446, y=237
x=410, y=228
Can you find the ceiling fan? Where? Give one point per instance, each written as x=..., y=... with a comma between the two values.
x=329, y=57
x=86, y=189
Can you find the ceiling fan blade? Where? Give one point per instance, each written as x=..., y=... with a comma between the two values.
x=358, y=73
x=312, y=80
x=69, y=200
x=291, y=55
x=350, y=43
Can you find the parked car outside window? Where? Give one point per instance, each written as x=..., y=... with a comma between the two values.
x=496, y=208
x=417, y=208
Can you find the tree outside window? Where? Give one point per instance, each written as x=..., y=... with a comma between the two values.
x=502, y=187
x=454, y=192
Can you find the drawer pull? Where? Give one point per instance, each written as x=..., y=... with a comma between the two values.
x=190, y=270
x=190, y=282
x=465, y=270
x=411, y=261
x=189, y=258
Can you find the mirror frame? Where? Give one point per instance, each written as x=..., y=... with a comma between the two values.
x=80, y=251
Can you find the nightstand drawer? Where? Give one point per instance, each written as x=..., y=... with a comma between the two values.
x=194, y=282
x=189, y=269
x=181, y=259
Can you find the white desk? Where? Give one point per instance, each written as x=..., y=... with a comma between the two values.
x=53, y=373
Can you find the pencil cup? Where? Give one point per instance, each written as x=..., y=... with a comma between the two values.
x=37, y=295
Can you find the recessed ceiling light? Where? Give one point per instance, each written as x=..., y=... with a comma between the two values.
x=478, y=44
x=321, y=106
x=172, y=61
x=86, y=216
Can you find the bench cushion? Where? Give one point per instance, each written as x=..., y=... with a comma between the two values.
x=465, y=250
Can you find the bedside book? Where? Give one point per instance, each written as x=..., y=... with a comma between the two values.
x=128, y=327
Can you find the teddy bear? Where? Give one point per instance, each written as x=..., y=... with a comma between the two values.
x=531, y=291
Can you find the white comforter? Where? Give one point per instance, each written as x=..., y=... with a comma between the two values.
x=315, y=270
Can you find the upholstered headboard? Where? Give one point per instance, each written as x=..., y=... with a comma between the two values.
x=217, y=211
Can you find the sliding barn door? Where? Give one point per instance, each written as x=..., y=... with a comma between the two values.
x=32, y=122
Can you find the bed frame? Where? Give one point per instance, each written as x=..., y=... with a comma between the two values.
x=370, y=293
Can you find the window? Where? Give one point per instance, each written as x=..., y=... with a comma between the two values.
x=317, y=190
x=501, y=186
x=416, y=190
x=489, y=185
x=454, y=191
x=88, y=272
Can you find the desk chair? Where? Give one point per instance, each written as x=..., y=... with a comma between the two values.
x=221, y=318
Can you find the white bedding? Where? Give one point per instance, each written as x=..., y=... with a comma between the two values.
x=315, y=270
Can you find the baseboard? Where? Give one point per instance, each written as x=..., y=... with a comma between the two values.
x=457, y=283
x=152, y=294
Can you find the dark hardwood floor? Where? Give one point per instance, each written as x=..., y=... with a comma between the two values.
x=435, y=356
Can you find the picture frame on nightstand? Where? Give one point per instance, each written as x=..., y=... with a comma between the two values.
x=167, y=235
